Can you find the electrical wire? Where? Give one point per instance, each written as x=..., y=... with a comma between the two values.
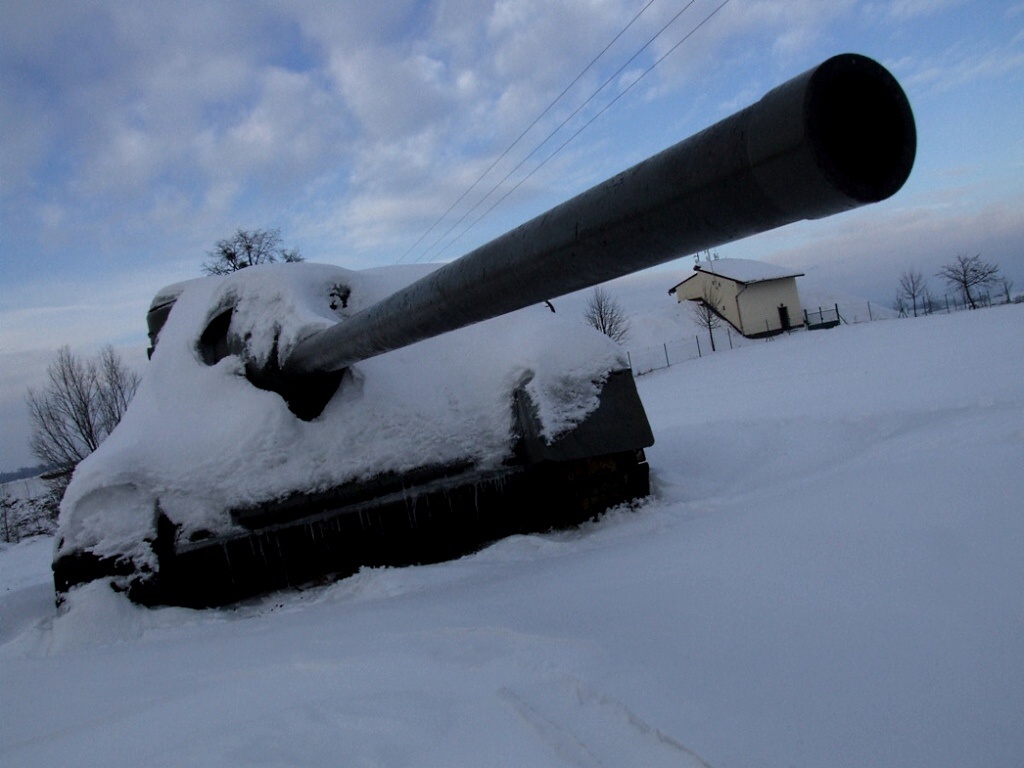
x=562, y=146
x=520, y=137
x=548, y=138
x=585, y=125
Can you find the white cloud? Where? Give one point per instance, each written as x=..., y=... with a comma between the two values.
x=904, y=10
x=792, y=26
x=391, y=93
x=958, y=67
x=190, y=106
x=293, y=128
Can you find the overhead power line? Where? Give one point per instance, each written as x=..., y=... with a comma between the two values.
x=528, y=128
x=559, y=127
x=585, y=125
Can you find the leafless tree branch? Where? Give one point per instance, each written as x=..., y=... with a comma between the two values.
x=705, y=311
x=969, y=273
x=247, y=249
x=81, y=403
x=913, y=287
x=605, y=314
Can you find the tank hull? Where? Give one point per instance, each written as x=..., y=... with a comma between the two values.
x=436, y=521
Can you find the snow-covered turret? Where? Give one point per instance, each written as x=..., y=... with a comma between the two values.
x=298, y=421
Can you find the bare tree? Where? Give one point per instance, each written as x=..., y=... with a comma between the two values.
x=913, y=287
x=899, y=304
x=246, y=249
x=81, y=403
x=967, y=273
x=705, y=311
x=7, y=523
x=605, y=314
x=1007, y=285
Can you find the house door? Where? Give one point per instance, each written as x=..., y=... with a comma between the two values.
x=784, y=317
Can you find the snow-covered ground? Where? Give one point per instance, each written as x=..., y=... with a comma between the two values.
x=830, y=573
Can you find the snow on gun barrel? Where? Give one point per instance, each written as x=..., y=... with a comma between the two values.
x=274, y=443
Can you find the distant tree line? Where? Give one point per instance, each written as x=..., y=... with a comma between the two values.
x=970, y=277
x=23, y=472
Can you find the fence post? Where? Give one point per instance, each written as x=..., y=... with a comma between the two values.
x=697, y=338
x=870, y=316
x=629, y=359
x=667, y=363
x=729, y=334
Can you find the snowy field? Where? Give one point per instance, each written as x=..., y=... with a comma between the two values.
x=830, y=573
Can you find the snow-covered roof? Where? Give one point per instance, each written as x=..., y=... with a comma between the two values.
x=744, y=271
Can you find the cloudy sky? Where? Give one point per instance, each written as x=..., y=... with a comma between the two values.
x=135, y=135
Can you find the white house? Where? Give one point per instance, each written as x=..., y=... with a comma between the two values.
x=755, y=298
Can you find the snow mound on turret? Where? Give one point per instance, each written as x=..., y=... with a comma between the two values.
x=199, y=440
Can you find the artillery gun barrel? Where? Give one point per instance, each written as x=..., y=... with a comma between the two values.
x=831, y=139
